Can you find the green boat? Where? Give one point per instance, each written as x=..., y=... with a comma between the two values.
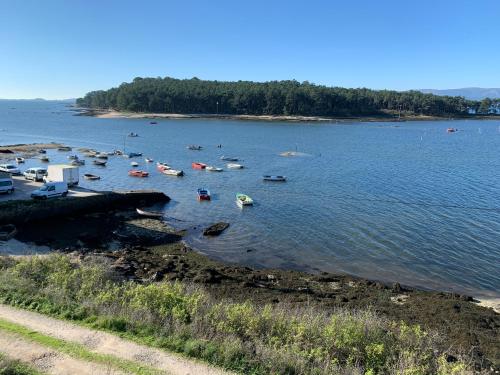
x=243, y=200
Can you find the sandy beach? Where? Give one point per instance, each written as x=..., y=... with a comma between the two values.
x=110, y=114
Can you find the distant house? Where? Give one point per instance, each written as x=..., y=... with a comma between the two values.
x=471, y=111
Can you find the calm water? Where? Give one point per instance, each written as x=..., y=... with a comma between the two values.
x=406, y=203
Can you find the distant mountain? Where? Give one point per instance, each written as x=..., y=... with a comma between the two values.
x=472, y=93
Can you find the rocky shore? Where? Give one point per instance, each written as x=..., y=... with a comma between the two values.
x=148, y=249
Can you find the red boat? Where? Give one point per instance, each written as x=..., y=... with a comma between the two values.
x=198, y=165
x=136, y=173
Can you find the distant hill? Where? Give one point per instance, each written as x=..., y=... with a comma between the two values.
x=472, y=93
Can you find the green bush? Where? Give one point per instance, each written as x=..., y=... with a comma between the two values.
x=239, y=336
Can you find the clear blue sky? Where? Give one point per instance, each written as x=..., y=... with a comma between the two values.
x=62, y=49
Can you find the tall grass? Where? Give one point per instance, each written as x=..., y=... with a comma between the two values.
x=239, y=336
x=11, y=367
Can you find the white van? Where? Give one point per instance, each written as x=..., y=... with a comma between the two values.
x=35, y=174
x=51, y=190
x=6, y=184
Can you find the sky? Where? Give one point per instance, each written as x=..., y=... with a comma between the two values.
x=57, y=49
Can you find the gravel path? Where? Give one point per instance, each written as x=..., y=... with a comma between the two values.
x=48, y=361
x=105, y=343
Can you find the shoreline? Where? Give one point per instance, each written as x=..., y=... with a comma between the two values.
x=147, y=250
x=111, y=114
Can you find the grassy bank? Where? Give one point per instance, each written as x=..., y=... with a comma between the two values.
x=239, y=336
x=11, y=367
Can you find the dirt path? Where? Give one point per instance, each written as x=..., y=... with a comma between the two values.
x=47, y=360
x=105, y=343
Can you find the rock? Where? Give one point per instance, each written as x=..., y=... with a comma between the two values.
x=215, y=229
x=7, y=232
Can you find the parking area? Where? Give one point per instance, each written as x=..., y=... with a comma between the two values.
x=23, y=189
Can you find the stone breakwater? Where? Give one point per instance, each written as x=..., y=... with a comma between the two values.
x=24, y=211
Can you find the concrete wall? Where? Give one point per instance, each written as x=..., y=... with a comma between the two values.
x=20, y=212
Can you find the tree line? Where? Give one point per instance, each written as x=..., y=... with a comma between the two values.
x=195, y=96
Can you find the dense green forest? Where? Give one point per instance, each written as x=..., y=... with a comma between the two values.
x=169, y=95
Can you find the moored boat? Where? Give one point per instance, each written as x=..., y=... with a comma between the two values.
x=274, y=178
x=77, y=162
x=196, y=165
x=101, y=163
x=149, y=213
x=243, y=200
x=72, y=157
x=45, y=159
x=227, y=158
x=64, y=148
x=234, y=166
x=134, y=164
x=203, y=194
x=137, y=173
x=149, y=160
x=102, y=156
x=172, y=172
x=132, y=134
x=213, y=169
x=451, y=130
x=153, y=122
x=161, y=166
x=133, y=154
x=91, y=177
x=19, y=160
x=194, y=147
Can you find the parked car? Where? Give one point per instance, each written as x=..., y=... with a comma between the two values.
x=10, y=168
x=6, y=184
x=35, y=174
x=51, y=190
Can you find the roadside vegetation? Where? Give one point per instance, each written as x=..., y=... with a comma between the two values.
x=11, y=367
x=239, y=336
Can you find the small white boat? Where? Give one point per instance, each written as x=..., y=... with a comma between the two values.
x=274, y=178
x=101, y=163
x=172, y=172
x=213, y=169
x=102, y=156
x=149, y=213
x=19, y=160
x=234, y=166
x=90, y=154
x=134, y=164
x=45, y=159
x=149, y=160
x=227, y=158
x=243, y=200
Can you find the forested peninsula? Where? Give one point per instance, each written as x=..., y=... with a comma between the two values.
x=274, y=98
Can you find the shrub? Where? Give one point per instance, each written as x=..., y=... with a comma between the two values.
x=240, y=336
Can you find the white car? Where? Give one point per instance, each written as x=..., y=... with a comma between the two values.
x=6, y=184
x=10, y=168
x=35, y=174
x=51, y=190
